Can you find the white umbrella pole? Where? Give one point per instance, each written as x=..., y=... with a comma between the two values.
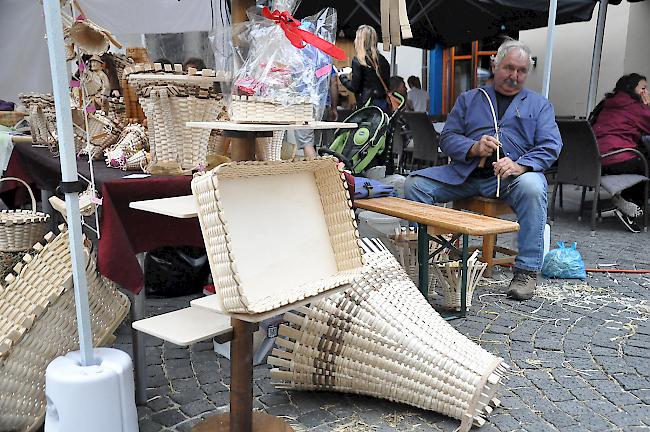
x=54, y=28
x=550, y=34
x=595, y=58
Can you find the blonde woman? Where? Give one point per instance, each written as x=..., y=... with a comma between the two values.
x=367, y=68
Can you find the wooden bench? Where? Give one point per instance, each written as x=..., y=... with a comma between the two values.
x=433, y=222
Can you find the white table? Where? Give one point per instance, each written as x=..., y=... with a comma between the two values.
x=263, y=127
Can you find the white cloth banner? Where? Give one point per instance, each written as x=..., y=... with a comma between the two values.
x=24, y=60
x=149, y=16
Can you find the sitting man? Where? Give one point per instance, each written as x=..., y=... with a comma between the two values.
x=529, y=142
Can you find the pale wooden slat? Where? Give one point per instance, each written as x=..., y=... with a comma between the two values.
x=438, y=217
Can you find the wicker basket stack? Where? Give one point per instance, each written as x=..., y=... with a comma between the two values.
x=171, y=98
x=38, y=324
x=381, y=338
x=130, y=151
x=254, y=109
x=263, y=278
x=21, y=229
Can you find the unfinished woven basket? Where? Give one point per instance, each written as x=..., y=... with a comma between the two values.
x=21, y=229
x=382, y=338
x=448, y=276
x=310, y=198
x=38, y=324
x=255, y=109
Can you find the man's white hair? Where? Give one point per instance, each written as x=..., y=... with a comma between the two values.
x=510, y=45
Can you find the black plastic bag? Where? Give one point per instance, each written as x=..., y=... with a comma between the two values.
x=175, y=271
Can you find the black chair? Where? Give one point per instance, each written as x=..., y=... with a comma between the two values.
x=425, y=139
x=579, y=164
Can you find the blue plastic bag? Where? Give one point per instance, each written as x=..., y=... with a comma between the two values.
x=369, y=188
x=564, y=262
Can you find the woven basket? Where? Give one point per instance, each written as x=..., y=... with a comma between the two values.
x=169, y=138
x=42, y=119
x=217, y=143
x=21, y=229
x=133, y=112
x=253, y=109
x=317, y=251
x=103, y=131
x=38, y=324
x=381, y=338
x=269, y=148
x=10, y=118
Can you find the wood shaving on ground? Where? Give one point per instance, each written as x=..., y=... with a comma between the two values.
x=355, y=425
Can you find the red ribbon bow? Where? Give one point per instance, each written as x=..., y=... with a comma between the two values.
x=299, y=37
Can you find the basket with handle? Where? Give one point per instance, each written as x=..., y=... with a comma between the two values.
x=21, y=229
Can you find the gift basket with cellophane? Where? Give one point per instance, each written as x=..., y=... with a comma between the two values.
x=282, y=65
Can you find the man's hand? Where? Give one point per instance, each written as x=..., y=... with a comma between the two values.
x=505, y=168
x=484, y=147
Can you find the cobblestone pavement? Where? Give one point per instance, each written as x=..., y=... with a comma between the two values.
x=579, y=353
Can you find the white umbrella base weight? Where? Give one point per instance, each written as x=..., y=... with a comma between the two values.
x=98, y=398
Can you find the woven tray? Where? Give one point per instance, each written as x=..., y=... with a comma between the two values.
x=276, y=232
x=38, y=324
x=381, y=338
x=21, y=229
x=252, y=109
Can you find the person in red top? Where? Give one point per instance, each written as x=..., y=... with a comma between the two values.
x=618, y=122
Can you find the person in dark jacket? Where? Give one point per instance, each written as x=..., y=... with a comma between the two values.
x=618, y=122
x=528, y=141
x=367, y=66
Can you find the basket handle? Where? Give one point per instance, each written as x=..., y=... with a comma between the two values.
x=31, y=194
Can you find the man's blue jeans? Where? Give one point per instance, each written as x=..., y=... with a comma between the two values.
x=526, y=195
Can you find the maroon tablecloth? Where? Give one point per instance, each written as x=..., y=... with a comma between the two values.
x=124, y=231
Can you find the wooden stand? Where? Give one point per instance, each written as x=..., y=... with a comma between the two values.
x=241, y=417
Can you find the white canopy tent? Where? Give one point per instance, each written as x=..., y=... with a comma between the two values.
x=25, y=65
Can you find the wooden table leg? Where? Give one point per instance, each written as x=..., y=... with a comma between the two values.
x=423, y=260
x=243, y=149
x=241, y=378
x=241, y=417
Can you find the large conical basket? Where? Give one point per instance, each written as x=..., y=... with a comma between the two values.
x=169, y=138
x=382, y=338
x=38, y=324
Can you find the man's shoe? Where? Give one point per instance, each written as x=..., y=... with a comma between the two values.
x=629, y=222
x=522, y=286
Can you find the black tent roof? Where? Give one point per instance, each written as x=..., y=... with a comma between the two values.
x=451, y=22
